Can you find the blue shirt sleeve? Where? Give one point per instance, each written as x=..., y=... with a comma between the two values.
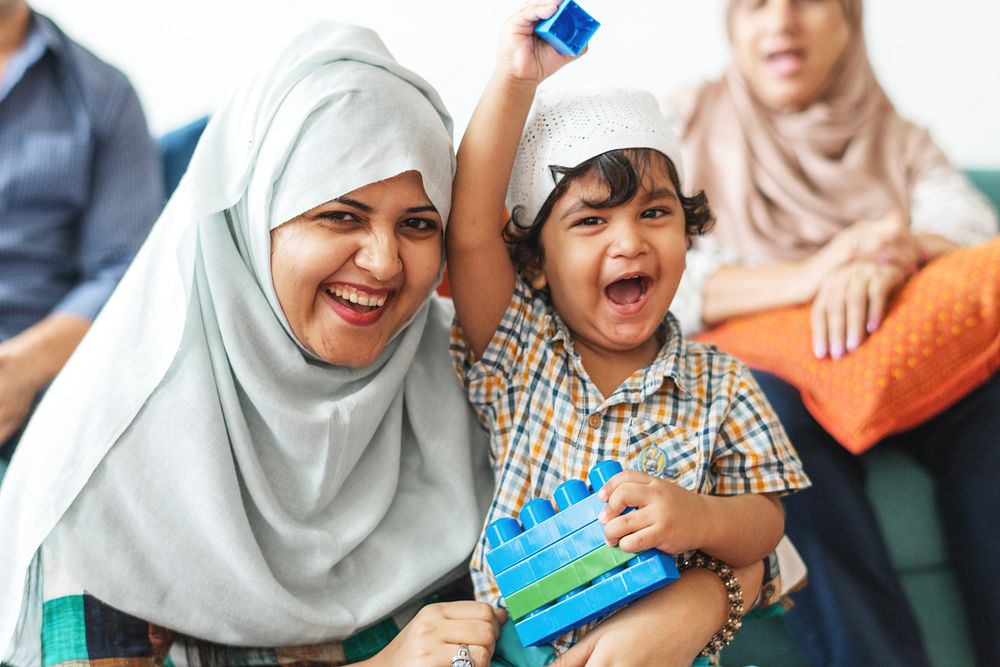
x=126, y=195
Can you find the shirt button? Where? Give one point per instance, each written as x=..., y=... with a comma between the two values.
x=594, y=420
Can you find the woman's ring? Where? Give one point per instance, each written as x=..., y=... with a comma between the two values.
x=462, y=659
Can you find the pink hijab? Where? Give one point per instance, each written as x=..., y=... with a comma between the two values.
x=783, y=183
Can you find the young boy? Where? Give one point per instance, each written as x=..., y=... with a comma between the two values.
x=563, y=336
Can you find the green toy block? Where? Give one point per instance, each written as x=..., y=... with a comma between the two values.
x=579, y=572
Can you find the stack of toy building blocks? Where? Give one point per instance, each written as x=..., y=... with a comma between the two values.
x=556, y=571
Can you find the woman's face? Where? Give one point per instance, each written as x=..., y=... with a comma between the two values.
x=351, y=272
x=788, y=49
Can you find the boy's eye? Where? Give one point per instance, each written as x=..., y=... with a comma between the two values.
x=655, y=213
x=420, y=224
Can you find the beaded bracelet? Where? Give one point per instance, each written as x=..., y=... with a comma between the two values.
x=734, y=592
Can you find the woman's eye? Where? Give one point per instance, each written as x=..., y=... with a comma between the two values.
x=338, y=216
x=421, y=224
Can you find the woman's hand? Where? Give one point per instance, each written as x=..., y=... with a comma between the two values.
x=666, y=516
x=850, y=304
x=435, y=634
x=521, y=55
x=886, y=240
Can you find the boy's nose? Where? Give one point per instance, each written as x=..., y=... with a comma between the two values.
x=628, y=242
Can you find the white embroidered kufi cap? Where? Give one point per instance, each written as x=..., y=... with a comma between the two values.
x=566, y=128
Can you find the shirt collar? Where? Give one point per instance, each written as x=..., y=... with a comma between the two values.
x=53, y=37
x=35, y=44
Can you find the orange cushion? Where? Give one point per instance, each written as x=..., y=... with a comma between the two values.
x=940, y=340
x=444, y=289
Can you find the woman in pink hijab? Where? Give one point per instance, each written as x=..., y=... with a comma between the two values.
x=824, y=194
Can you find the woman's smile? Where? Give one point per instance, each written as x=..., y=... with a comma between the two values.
x=358, y=304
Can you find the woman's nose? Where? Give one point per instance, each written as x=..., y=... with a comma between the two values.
x=781, y=14
x=379, y=256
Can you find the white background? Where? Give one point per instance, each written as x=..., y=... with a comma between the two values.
x=939, y=61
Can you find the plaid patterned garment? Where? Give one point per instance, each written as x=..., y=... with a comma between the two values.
x=78, y=630
x=695, y=416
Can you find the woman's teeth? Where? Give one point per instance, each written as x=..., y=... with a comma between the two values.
x=359, y=298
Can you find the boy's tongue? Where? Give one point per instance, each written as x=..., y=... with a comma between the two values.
x=623, y=292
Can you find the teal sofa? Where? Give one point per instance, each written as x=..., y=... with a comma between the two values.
x=902, y=493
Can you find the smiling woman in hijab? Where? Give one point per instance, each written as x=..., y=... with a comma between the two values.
x=262, y=441
x=824, y=194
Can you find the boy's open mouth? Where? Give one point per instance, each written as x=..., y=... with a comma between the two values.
x=625, y=291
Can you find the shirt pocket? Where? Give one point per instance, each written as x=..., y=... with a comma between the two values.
x=53, y=172
x=667, y=451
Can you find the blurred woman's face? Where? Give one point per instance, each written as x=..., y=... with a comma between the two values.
x=788, y=49
x=351, y=272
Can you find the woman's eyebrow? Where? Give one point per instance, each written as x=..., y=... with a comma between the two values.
x=354, y=203
x=429, y=208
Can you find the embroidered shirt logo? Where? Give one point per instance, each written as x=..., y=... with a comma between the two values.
x=653, y=461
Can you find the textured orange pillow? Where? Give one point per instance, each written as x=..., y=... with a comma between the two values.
x=940, y=340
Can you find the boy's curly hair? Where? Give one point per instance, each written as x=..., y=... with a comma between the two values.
x=622, y=172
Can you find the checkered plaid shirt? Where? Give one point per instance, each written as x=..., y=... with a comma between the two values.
x=695, y=416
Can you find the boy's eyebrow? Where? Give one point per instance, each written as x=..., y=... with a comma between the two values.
x=662, y=193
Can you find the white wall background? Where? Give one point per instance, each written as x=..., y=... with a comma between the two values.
x=940, y=62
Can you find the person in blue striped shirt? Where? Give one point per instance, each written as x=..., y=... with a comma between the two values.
x=80, y=186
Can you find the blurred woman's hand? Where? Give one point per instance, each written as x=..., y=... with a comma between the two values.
x=886, y=240
x=850, y=304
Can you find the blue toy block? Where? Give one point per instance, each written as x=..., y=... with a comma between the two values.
x=570, y=520
x=551, y=543
x=551, y=558
x=643, y=575
x=569, y=29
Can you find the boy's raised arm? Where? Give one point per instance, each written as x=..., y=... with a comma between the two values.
x=479, y=268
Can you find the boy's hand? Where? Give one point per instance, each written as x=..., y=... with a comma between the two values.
x=521, y=55
x=667, y=517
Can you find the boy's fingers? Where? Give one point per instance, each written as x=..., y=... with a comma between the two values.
x=628, y=494
x=538, y=11
x=638, y=541
x=626, y=524
x=624, y=477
